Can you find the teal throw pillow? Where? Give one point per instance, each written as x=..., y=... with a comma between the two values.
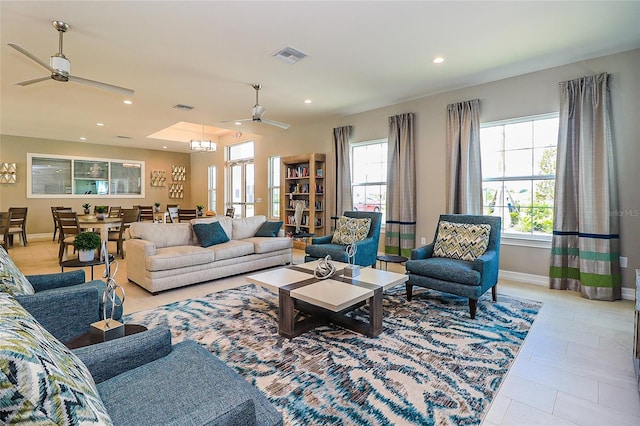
x=210, y=234
x=269, y=229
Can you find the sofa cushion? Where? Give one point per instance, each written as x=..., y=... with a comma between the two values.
x=178, y=257
x=269, y=244
x=43, y=381
x=269, y=229
x=163, y=234
x=464, y=241
x=210, y=233
x=349, y=229
x=224, y=221
x=231, y=249
x=12, y=280
x=445, y=269
x=246, y=227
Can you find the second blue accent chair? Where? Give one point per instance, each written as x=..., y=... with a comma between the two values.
x=367, y=248
x=468, y=279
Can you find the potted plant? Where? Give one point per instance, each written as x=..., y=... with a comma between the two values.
x=86, y=208
x=199, y=207
x=86, y=243
x=157, y=207
x=101, y=212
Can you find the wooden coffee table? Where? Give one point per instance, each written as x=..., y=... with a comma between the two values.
x=329, y=300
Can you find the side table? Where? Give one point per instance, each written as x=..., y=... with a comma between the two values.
x=386, y=258
x=85, y=338
x=75, y=263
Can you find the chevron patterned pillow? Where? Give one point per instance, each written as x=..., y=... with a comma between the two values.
x=462, y=241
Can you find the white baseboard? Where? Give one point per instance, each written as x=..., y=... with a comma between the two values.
x=543, y=280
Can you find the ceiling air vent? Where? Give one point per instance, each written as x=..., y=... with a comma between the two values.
x=183, y=107
x=289, y=55
x=123, y=137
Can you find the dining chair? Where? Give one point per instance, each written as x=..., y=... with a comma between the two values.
x=114, y=211
x=55, y=220
x=231, y=211
x=128, y=217
x=185, y=215
x=5, y=218
x=146, y=213
x=173, y=214
x=69, y=228
x=18, y=224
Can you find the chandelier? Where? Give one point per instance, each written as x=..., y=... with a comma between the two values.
x=202, y=145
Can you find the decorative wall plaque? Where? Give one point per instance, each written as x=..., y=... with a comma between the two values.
x=176, y=190
x=158, y=178
x=7, y=172
x=179, y=173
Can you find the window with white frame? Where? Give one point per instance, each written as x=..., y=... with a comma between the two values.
x=274, y=187
x=241, y=179
x=211, y=188
x=369, y=176
x=518, y=173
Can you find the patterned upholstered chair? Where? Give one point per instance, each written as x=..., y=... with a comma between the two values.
x=367, y=249
x=463, y=259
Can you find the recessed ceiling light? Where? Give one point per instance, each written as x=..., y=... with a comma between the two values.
x=100, y=124
x=82, y=138
x=237, y=123
x=164, y=147
x=128, y=102
x=438, y=60
x=307, y=101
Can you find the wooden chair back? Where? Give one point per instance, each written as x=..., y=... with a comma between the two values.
x=18, y=224
x=146, y=213
x=231, y=212
x=185, y=215
x=173, y=214
x=5, y=218
x=114, y=211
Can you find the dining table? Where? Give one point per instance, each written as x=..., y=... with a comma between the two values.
x=91, y=221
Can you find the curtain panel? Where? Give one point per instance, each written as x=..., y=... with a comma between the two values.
x=400, y=226
x=341, y=149
x=585, y=254
x=465, y=170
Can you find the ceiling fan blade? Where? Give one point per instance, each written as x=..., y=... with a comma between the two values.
x=239, y=121
x=275, y=123
x=35, y=80
x=101, y=85
x=32, y=57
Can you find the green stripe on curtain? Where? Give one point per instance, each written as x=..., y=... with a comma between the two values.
x=585, y=254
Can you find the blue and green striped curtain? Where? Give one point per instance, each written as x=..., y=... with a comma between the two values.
x=400, y=226
x=585, y=254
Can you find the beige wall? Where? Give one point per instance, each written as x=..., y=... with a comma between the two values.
x=15, y=149
x=529, y=94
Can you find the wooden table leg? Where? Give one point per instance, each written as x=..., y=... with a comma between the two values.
x=286, y=315
x=375, y=313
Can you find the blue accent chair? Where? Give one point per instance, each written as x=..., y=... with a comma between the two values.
x=63, y=292
x=367, y=248
x=454, y=276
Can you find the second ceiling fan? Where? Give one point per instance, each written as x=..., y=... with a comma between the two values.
x=258, y=111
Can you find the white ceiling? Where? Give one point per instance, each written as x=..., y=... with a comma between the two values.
x=362, y=55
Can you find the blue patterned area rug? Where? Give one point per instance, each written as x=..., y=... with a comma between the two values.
x=432, y=365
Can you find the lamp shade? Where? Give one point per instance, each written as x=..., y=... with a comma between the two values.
x=202, y=146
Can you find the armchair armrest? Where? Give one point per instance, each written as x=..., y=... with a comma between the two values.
x=424, y=252
x=62, y=279
x=65, y=312
x=325, y=239
x=108, y=359
x=487, y=265
x=366, y=252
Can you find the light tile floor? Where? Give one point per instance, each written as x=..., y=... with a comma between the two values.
x=575, y=367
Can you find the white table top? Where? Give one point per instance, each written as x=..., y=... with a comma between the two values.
x=331, y=294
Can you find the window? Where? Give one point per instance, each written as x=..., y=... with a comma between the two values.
x=274, y=187
x=369, y=176
x=518, y=173
x=55, y=175
x=211, y=188
x=241, y=179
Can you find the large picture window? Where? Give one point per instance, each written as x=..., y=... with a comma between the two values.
x=274, y=187
x=369, y=176
x=241, y=179
x=52, y=176
x=518, y=173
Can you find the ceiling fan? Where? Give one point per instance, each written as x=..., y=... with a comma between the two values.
x=258, y=111
x=60, y=66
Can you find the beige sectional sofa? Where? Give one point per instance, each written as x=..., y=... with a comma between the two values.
x=165, y=256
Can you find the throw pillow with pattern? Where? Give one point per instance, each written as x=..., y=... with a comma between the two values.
x=12, y=280
x=43, y=381
x=464, y=241
x=349, y=229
